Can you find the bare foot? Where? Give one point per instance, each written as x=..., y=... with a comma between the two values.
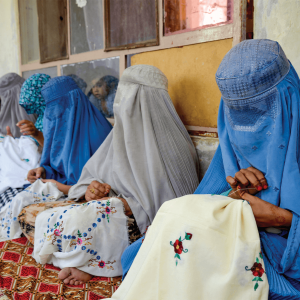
x=74, y=276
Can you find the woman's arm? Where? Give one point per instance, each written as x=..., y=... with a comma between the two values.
x=62, y=187
x=267, y=214
x=39, y=137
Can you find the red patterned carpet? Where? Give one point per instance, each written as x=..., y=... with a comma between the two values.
x=21, y=278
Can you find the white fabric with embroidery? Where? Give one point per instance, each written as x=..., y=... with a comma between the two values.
x=90, y=236
x=38, y=192
x=17, y=157
x=199, y=247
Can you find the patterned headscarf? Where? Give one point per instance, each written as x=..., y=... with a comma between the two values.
x=31, y=97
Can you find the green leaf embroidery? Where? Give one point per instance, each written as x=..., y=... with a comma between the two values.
x=260, y=255
x=255, y=279
x=257, y=260
x=79, y=234
x=176, y=262
x=180, y=239
x=177, y=256
x=259, y=279
x=256, y=286
x=187, y=237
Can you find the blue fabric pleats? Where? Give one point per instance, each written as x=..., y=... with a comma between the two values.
x=73, y=130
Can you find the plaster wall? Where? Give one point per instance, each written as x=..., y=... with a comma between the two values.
x=191, y=74
x=279, y=20
x=9, y=37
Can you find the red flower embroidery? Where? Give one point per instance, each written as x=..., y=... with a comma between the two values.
x=178, y=247
x=257, y=269
x=101, y=264
x=107, y=210
x=56, y=232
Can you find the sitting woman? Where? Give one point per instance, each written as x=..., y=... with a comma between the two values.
x=32, y=101
x=218, y=253
x=103, y=94
x=146, y=160
x=10, y=110
x=73, y=130
x=12, y=177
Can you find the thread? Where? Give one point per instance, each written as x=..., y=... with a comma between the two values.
x=231, y=193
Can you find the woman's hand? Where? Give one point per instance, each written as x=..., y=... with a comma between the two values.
x=267, y=214
x=27, y=128
x=35, y=174
x=62, y=187
x=8, y=132
x=250, y=180
x=128, y=211
x=97, y=190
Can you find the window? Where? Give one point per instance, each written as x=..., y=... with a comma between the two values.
x=86, y=26
x=187, y=15
x=30, y=51
x=52, y=72
x=137, y=24
x=53, y=30
x=98, y=79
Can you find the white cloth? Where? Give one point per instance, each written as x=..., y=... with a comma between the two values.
x=217, y=244
x=38, y=192
x=17, y=157
x=90, y=236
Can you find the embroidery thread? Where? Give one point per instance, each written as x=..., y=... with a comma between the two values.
x=178, y=247
x=257, y=271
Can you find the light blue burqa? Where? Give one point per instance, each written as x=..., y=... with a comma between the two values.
x=259, y=126
x=73, y=130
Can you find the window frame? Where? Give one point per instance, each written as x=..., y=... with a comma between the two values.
x=235, y=30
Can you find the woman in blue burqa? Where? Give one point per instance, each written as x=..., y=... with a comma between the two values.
x=73, y=131
x=258, y=160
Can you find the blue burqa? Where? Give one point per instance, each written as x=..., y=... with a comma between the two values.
x=259, y=126
x=73, y=130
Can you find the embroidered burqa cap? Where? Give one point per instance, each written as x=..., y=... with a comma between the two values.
x=10, y=110
x=31, y=97
x=148, y=158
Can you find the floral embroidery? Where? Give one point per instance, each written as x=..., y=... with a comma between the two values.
x=257, y=271
x=178, y=247
x=94, y=262
x=106, y=211
x=81, y=239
